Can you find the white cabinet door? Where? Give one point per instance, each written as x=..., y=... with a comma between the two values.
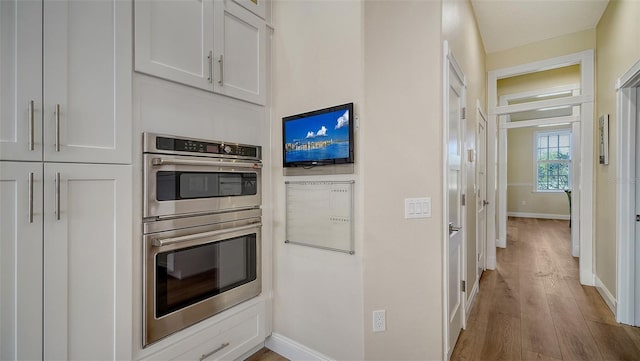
x=240, y=53
x=174, y=40
x=20, y=261
x=20, y=80
x=87, y=81
x=87, y=262
x=258, y=7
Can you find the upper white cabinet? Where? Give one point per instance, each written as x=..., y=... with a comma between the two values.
x=240, y=53
x=21, y=80
x=215, y=45
x=173, y=40
x=258, y=7
x=66, y=81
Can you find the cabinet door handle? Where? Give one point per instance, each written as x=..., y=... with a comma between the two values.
x=210, y=59
x=221, y=63
x=57, y=181
x=206, y=355
x=58, y=128
x=31, y=147
x=30, y=197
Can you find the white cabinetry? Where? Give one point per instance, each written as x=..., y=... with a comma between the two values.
x=65, y=236
x=216, y=45
x=258, y=7
x=239, y=53
x=77, y=217
x=65, y=85
x=228, y=339
x=20, y=261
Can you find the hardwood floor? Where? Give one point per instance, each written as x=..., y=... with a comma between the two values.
x=532, y=307
x=264, y=354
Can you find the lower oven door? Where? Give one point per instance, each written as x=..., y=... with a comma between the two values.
x=192, y=276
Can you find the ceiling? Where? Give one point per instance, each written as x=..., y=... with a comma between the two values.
x=506, y=24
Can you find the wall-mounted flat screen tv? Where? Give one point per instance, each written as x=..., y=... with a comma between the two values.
x=320, y=137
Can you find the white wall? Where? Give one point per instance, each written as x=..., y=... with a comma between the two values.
x=317, y=62
x=403, y=139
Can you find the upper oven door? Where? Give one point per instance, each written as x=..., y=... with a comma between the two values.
x=182, y=185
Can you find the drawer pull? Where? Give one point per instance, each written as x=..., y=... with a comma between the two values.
x=206, y=355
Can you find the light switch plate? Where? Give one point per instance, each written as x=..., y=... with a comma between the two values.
x=417, y=207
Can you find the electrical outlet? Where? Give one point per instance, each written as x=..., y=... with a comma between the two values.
x=379, y=321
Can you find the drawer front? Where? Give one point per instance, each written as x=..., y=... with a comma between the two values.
x=226, y=340
x=229, y=344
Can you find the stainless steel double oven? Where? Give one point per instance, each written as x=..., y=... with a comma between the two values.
x=202, y=230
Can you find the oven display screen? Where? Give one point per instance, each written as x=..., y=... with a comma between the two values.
x=190, y=275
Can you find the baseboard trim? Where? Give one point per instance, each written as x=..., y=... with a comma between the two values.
x=565, y=217
x=292, y=349
x=472, y=299
x=607, y=296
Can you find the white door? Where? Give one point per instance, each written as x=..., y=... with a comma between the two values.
x=239, y=53
x=20, y=80
x=174, y=40
x=454, y=199
x=637, y=238
x=87, y=262
x=87, y=81
x=21, y=261
x=481, y=217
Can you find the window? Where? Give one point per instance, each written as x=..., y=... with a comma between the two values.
x=553, y=160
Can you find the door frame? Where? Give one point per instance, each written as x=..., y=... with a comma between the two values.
x=450, y=61
x=482, y=118
x=586, y=101
x=627, y=112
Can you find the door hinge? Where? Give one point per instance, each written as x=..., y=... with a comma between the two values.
x=463, y=114
x=637, y=217
x=463, y=200
x=464, y=286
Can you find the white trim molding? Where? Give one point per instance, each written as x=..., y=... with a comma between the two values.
x=564, y=217
x=292, y=349
x=606, y=295
x=472, y=299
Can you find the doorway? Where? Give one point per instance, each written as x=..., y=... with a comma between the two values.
x=582, y=202
x=628, y=197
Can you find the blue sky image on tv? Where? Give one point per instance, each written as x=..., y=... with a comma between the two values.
x=317, y=138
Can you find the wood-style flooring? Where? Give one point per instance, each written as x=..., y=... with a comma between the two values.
x=532, y=307
x=264, y=354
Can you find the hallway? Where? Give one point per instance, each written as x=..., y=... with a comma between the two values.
x=532, y=307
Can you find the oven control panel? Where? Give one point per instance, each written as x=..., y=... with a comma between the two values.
x=208, y=147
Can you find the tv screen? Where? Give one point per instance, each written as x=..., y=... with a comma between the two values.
x=319, y=137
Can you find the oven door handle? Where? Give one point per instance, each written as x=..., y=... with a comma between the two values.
x=161, y=242
x=209, y=163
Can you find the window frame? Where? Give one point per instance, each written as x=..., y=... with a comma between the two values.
x=536, y=161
